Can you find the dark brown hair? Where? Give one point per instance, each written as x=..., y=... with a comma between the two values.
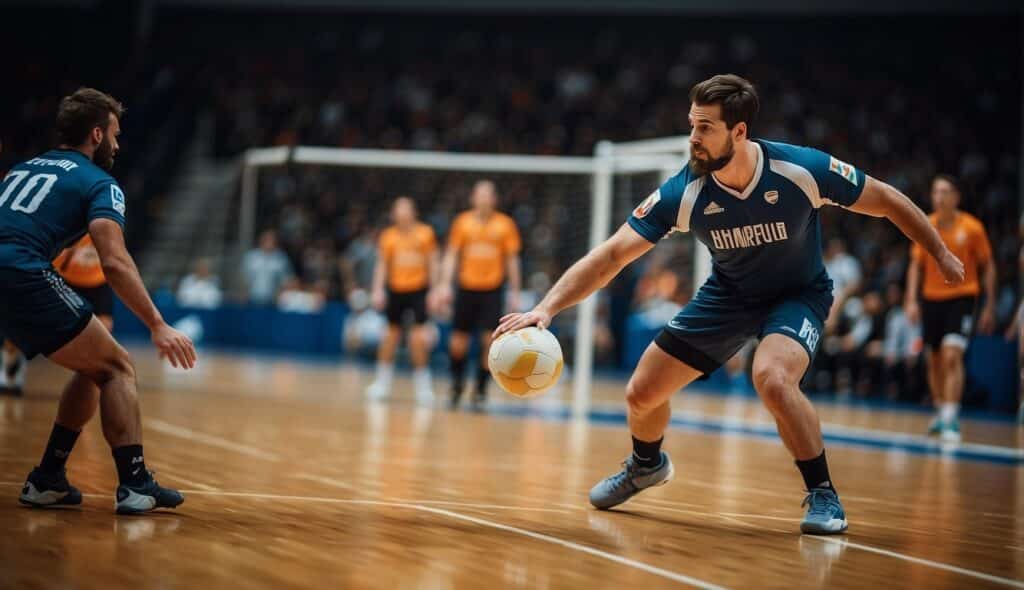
x=952, y=180
x=737, y=96
x=83, y=111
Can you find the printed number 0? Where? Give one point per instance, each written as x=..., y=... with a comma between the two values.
x=41, y=183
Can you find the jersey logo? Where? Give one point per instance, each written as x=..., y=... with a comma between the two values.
x=809, y=333
x=843, y=169
x=772, y=197
x=117, y=198
x=713, y=208
x=644, y=208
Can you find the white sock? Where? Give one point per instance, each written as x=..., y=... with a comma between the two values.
x=948, y=411
x=385, y=373
x=421, y=379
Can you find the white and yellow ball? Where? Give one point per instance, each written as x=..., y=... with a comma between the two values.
x=526, y=362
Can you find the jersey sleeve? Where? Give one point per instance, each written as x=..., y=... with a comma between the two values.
x=384, y=244
x=657, y=215
x=456, y=235
x=106, y=201
x=838, y=183
x=981, y=243
x=430, y=241
x=512, y=243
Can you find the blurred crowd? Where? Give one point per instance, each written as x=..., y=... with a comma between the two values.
x=902, y=98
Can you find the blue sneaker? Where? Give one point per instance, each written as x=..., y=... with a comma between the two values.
x=935, y=427
x=633, y=479
x=148, y=496
x=44, y=489
x=950, y=432
x=825, y=515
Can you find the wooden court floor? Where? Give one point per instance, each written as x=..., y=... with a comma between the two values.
x=293, y=481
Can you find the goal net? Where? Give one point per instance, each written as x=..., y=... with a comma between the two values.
x=328, y=205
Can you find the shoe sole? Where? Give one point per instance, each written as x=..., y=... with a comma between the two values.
x=668, y=478
x=808, y=528
x=128, y=510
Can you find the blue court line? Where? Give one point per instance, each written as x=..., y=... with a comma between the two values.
x=858, y=438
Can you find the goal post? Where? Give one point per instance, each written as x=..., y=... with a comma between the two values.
x=583, y=196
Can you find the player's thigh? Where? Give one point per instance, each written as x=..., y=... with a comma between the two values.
x=94, y=353
x=657, y=377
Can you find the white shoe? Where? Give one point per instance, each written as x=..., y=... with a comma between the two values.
x=378, y=391
x=423, y=387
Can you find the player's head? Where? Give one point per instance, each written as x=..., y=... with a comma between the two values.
x=403, y=211
x=268, y=240
x=945, y=193
x=91, y=120
x=721, y=111
x=484, y=197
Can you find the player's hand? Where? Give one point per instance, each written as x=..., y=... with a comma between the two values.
x=377, y=300
x=518, y=321
x=987, y=320
x=913, y=311
x=951, y=268
x=176, y=347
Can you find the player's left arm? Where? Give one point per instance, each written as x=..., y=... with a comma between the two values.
x=879, y=199
x=990, y=280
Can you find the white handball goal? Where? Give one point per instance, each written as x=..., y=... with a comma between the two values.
x=563, y=205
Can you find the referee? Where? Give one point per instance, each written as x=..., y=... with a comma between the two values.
x=947, y=312
x=483, y=250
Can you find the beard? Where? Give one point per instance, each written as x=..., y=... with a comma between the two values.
x=702, y=167
x=104, y=155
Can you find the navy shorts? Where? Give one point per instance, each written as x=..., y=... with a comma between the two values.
x=412, y=304
x=39, y=312
x=715, y=324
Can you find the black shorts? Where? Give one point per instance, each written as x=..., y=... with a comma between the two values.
x=101, y=298
x=477, y=310
x=39, y=312
x=400, y=305
x=947, y=322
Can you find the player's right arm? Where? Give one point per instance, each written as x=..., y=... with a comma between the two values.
x=123, y=276
x=380, y=271
x=589, y=274
x=910, y=305
x=650, y=221
x=448, y=264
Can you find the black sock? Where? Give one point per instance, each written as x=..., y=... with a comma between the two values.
x=458, y=368
x=483, y=376
x=815, y=472
x=131, y=468
x=58, y=448
x=647, y=454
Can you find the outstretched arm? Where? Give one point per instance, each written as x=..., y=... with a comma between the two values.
x=587, y=275
x=123, y=276
x=881, y=200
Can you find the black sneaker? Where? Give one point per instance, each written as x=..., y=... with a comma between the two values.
x=43, y=489
x=145, y=497
x=479, y=403
x=455, y=397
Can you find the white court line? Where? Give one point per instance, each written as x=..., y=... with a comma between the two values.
x=609, y=556
x=188, y=482
x=920, y=561
x=670, y=575
x=214, y=441
x=340, y=484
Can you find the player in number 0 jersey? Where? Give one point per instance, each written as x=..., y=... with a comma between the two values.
x=46, y=204
x=755, y=204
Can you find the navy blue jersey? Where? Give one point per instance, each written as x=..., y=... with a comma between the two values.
x=46, y=204
x=765, y=242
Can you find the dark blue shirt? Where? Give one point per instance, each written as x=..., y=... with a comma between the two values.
x=46, y=204
x=765, y=242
